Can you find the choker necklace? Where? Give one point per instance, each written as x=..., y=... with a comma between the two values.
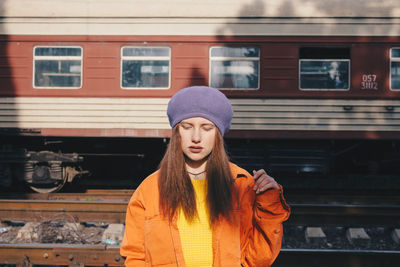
x=196, y=174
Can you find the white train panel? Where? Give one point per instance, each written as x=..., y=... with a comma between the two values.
x=207, y=17
x=250, y=114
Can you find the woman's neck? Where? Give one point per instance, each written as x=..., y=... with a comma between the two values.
x=196, y=170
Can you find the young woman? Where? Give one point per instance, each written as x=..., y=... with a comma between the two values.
x=198, y=209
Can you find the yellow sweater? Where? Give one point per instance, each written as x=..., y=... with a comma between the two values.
x=196, y=236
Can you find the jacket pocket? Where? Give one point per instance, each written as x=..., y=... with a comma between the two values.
x=158, y=242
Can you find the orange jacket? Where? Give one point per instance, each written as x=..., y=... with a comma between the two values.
x=254, y=240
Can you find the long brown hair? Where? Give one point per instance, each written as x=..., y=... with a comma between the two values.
x=176, y=189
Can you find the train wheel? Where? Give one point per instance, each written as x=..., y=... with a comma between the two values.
x=46, y=178
x=49, y=188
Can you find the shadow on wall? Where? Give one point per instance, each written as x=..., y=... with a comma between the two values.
x=8, y=112
x=317, y=17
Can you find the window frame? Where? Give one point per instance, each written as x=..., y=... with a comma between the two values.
x=221, y=59
x=325, y=89
x=146, y=58
x=397, y=59
x=67, y=58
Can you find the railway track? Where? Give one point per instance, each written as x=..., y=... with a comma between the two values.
x=336, y=257
x=343, y=196
x=108, y=207
x=89, y=195
x=60, y=254
x=323, y=229
x=81, y=211
x=345, y=214
x=101, y=207
x=114, y=212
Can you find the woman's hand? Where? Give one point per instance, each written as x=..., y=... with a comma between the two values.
x=263, y=181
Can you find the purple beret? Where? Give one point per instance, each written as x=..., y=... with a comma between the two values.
x=201, y=101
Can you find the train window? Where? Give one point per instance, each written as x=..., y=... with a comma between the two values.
x=395, y=69
x=324, y=68
x=57, y=67
x=145, y=67
x=234, y=67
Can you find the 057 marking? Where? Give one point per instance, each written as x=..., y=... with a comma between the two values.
x=369, y=82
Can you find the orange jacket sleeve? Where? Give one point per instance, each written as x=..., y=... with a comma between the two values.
x=132, y=246
x=262, y=227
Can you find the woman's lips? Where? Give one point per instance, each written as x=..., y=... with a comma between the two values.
x=195, y=149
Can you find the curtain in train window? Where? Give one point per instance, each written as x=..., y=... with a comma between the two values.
x=145, y=67
x=324, y=68
x=395, y=69
x=57, y=67
x=234, y=67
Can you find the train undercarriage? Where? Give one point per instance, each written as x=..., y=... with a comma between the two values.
x=48, y=164
x=42, y=171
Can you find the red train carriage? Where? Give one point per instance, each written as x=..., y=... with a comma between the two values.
x=311, y=92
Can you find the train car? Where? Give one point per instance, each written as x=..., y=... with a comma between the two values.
x=315, y=86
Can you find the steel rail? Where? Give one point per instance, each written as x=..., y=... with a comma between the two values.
x=113, y=211
x=89, y=195
x=343, y=198
x=81, y=211
x=345, y=214
x=102, y=255
x=60, y=254
x=342, y=251
x=336, y=257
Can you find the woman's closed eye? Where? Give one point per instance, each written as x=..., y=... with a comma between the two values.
x=186, y=126
x=208, y=127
